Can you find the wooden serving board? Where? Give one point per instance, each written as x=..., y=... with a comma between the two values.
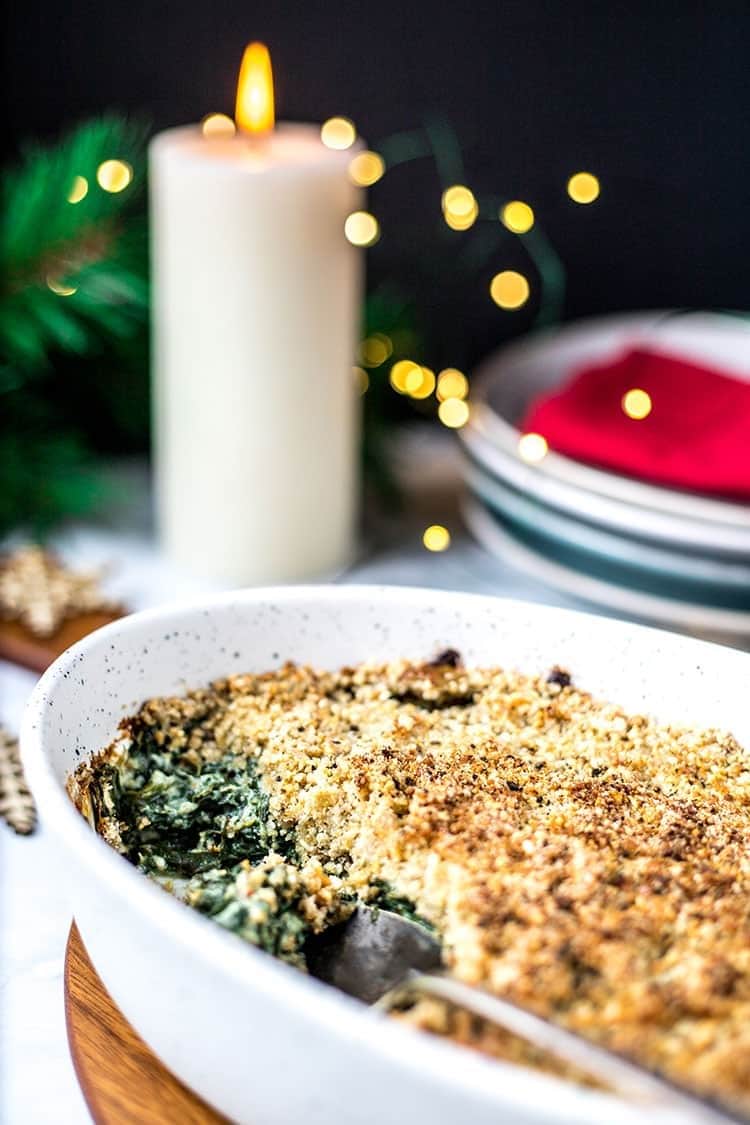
x=122, y=1080
x=19, y=646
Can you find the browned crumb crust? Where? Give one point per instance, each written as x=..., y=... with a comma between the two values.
x=588, y=864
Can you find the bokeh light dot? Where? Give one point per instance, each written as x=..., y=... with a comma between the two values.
x=218, y=125
x=114, y=175
x=366, y=168
x=362, y=379
x=454, y=413
x=375, y=350
x=420, y=384
x=637, y=404
x=338, y=132
x=79, y=189
x=413, y=379
x=509, y=289
x=583, y=187
x=532, y=447
x=452, y=383
x=436, y=537
x=517, y=216
x=362, y=228
x=60, y=288
x=462, y=222
x=401, y=372
x=458, y=200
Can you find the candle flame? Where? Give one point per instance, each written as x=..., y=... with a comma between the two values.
x=254, y=111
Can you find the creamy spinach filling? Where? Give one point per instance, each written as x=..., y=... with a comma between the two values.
x=202, y=829
x=184, y=817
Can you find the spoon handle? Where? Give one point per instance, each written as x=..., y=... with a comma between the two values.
x=626, y=1077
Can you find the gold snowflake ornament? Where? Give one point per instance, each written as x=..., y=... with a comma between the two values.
x=40, y=593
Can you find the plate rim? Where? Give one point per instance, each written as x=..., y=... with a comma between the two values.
x=560, y=526
x=610, y=512
x=496, y=428
x=651, y=608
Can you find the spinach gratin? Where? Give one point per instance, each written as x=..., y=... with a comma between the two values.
x=588, y=864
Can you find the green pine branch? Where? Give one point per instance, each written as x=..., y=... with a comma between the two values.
x=49, y=246
x=73, y=264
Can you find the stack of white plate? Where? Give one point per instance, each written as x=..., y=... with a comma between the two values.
x=647, y=551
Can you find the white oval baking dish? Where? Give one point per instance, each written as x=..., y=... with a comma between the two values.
x=257, y=1039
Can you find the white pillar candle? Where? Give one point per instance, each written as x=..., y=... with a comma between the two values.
x=256, y=296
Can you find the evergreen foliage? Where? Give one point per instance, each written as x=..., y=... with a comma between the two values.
x=73, y=294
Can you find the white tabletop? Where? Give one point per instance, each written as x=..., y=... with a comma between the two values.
x=37, y=1082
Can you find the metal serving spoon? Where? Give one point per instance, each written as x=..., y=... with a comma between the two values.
x=378, y=957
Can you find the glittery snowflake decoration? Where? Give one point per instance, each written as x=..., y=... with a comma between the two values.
x=40, y=592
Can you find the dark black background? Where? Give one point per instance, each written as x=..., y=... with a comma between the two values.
x=652, y=96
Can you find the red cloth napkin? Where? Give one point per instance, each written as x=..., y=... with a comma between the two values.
x=696, y=437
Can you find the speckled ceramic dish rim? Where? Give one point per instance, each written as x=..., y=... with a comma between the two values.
x=440, y=1071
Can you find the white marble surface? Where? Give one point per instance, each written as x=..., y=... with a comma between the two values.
x=37, y=1082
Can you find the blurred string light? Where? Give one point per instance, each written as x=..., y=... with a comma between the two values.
x=366, y=168
x=517, y=216
x=637, y=404
x=362, y=228
x=412, y=379
x=375, y=350
x=460, y=208
x=462, y=222
x=114, y=175
x=338, y=133
x=454, y=413
x=218, y=125
x=420, y=382
x=458, y=201
x=532, y=448
x=452, y=383
x=583, y=187
x=60, y=288
x=436, y=537
x=361, y=379
x=401, y=373
x=79, y=189
x=509, y=289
